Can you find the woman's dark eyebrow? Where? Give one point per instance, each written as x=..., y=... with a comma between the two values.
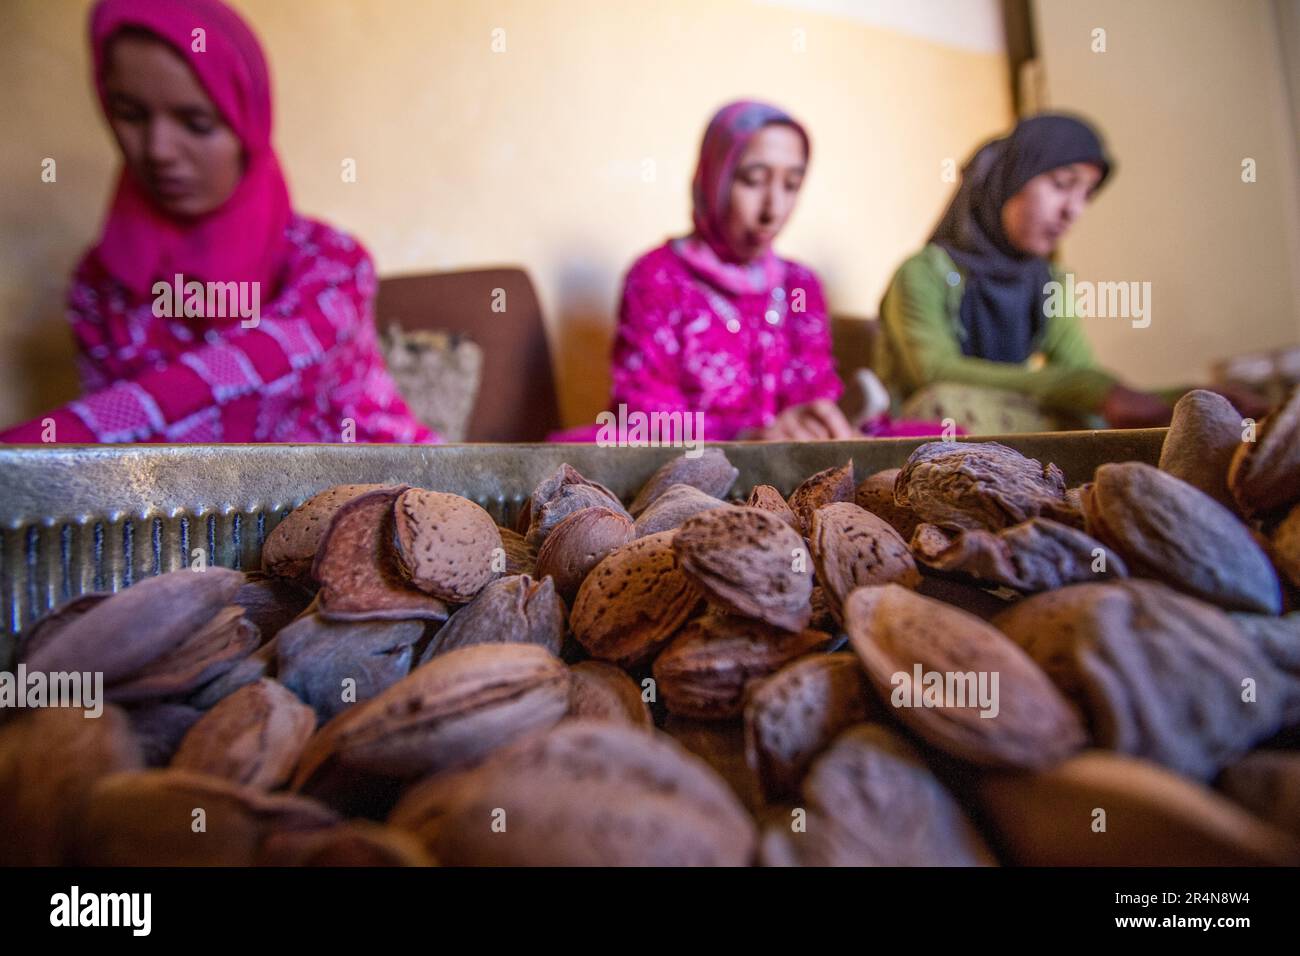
x=761, y=165
x=188, y=111
x=123, y=98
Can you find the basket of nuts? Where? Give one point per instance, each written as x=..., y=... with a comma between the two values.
x=1075, y=649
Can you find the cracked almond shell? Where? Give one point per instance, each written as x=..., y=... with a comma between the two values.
x=360, y=577
x=290, y=548
x=980, y=485
x=447, y=544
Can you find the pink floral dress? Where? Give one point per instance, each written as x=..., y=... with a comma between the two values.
x=685, y=345
x=310, y=371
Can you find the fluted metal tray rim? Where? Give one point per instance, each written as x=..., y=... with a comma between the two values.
x=50, y=484
x=79, y=518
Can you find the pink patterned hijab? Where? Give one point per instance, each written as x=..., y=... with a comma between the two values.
x=706, y=250
x=243, y=240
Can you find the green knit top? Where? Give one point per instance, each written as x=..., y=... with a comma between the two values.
x=921, y=336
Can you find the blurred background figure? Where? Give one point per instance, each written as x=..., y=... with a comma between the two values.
x=716, y=322
x=969, y=328
x=187, y=93
x=504, y=196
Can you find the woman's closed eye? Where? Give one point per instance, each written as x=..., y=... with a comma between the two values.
x=199, y=122
x=761, y=176
x=1064, y=180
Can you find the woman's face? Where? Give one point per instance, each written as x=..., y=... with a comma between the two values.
x=173, y=138
x=1042, y=212
x=764, y=189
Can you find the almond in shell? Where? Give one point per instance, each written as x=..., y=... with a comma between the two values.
x=1264, y=475
x=876, y=494
x=181, y=818
x=521, y=557
x=749, y=562
x=673, y=507
x=823, y=488
x=1158, y=674
x=580, y=542
x=587, y=793
x=980, y=698
x=793, y=715
x=710, y=472
x=122, y=634
x=872, y=801
x=332, y=665
x=49, y=761
x=602, y=691
x=253, y=737
x=632, y=603
x=559, y=496
x=514, y=609
x=1203, y=436
x=1167, y=530
x=1106, y=809
x=707, y=668
x=205, y=655
x=767, y=498
x=448, y=713
x=851, y=547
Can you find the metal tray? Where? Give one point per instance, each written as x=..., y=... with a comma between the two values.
x=82, y=518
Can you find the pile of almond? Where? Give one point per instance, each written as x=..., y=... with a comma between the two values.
x=960, y=662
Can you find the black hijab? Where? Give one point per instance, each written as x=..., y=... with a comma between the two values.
x=1002, y=308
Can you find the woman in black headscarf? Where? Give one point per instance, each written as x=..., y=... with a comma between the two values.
x=970, y=329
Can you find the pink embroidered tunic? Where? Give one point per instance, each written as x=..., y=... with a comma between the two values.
x=683, y=344
x=311, y=365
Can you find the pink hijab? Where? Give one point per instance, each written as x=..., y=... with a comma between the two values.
x=706, y=250
x=243, y=240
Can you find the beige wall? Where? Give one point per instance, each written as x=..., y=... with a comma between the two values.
x=1184, y=92
x=534, y=156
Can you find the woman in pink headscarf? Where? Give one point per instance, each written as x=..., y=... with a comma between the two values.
x=187, y=93
x=716, y=322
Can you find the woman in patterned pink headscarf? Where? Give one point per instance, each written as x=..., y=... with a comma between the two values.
x=716, y=322
x=187, y=93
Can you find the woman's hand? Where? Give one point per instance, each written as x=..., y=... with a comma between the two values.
x=813, y=421
x=1125, y=407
